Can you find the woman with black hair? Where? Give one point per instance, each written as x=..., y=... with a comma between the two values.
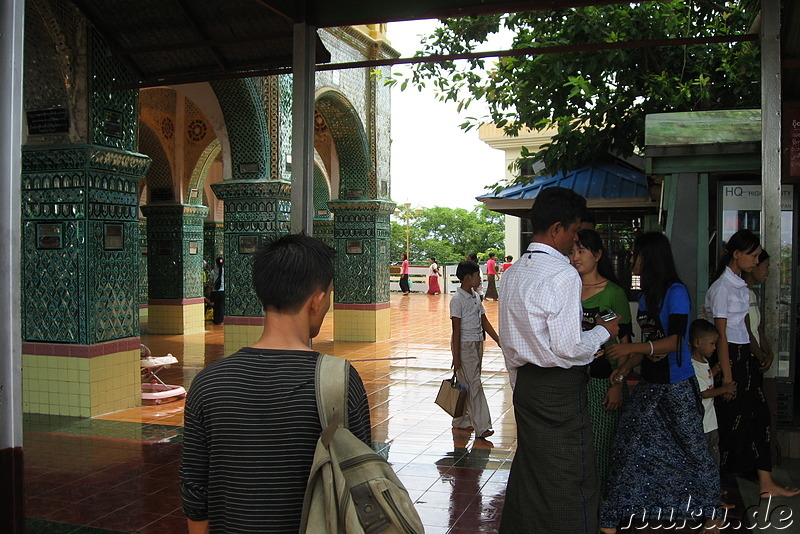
x=661, y=466
x=744, y=418
x=600, y=292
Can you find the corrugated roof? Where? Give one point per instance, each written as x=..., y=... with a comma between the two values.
x=604, y=184
x=594, y=181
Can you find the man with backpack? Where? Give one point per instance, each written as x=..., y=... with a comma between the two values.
x=252, y=422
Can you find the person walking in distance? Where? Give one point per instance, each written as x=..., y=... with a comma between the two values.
x=404, y=275
x=491, y=275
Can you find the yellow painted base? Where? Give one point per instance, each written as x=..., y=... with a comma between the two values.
x=362, y=325
x=239, y=335
x=143, y=315
x=176, y=319
x=81, y=387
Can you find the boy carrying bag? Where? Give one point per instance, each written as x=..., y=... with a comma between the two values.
x=350, y=488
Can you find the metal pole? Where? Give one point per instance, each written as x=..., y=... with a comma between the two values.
x=771, y=159
x=12, y=25
x=303, y=128
x=407, y=206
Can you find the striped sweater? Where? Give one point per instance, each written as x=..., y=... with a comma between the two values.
x=251, y=426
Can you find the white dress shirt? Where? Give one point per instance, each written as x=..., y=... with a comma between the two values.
x=728, y=298
x=541, y=313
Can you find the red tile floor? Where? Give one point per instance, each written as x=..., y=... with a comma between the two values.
x=119, y=472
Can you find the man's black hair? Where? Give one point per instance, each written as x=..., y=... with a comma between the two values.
x=287, y=271
x=466, y=268
x=556, y=204
x=473, y=257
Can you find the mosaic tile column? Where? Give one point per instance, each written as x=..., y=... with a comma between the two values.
x=323, y=230
x=142, y=270
x=175, y=268
x=213, y=242
x=80, y=279
x=361, y=297
x=256, y=212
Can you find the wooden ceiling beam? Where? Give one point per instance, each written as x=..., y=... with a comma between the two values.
x=535, y=50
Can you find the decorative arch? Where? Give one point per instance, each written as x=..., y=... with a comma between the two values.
x=159, y=176
x=247, y=129
x=357, y=178
x=198, y=179
x=322, y=193
x=205, y=98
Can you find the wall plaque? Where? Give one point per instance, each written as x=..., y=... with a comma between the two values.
x=48, y=235
x=48, y=121
x=113, y=236
x=248, y=244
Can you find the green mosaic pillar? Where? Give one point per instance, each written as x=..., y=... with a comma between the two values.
x=213, y=241
x=323, y=230
x=361, y=297
x=175, y=268
x=142, y=270
x=80, y=278
x=256, y=211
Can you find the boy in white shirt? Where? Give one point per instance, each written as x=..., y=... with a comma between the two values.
x=469, y=324
x=703, y=338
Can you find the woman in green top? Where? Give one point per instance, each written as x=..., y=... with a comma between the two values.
x=600, y=293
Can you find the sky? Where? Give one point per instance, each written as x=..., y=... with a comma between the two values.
x=433, y=161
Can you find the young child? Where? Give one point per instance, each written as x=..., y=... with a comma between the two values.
x=469, y=324
x=703, y=338
x=508, y=263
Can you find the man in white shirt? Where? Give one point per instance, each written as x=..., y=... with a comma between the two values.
x=553, y=485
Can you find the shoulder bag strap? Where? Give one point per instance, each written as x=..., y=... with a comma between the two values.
x=332, y=377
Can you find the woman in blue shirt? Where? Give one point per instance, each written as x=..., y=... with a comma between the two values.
x=661, y=463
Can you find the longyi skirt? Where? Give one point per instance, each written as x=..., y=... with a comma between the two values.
x=661, y=463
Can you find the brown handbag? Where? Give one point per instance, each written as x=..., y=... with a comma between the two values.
x=452, y=397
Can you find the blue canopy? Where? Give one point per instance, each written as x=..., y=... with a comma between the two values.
x=604, y=184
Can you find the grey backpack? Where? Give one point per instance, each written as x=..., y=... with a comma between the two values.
x=351, y=489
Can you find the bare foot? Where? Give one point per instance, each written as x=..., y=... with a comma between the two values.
x=608, y=531
x=774, y=490
x=770, y=488
x=486, y=434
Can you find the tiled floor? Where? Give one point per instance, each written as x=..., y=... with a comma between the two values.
x=119, y=472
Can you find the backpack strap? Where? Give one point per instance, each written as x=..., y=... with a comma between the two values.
x=331, y=383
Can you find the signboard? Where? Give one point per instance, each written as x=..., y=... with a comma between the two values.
x=793, y=140
x=748, y=197
x=48, y=121
x=741, y=207
x=112, y=123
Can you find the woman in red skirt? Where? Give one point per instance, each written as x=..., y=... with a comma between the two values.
x=433, y=278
